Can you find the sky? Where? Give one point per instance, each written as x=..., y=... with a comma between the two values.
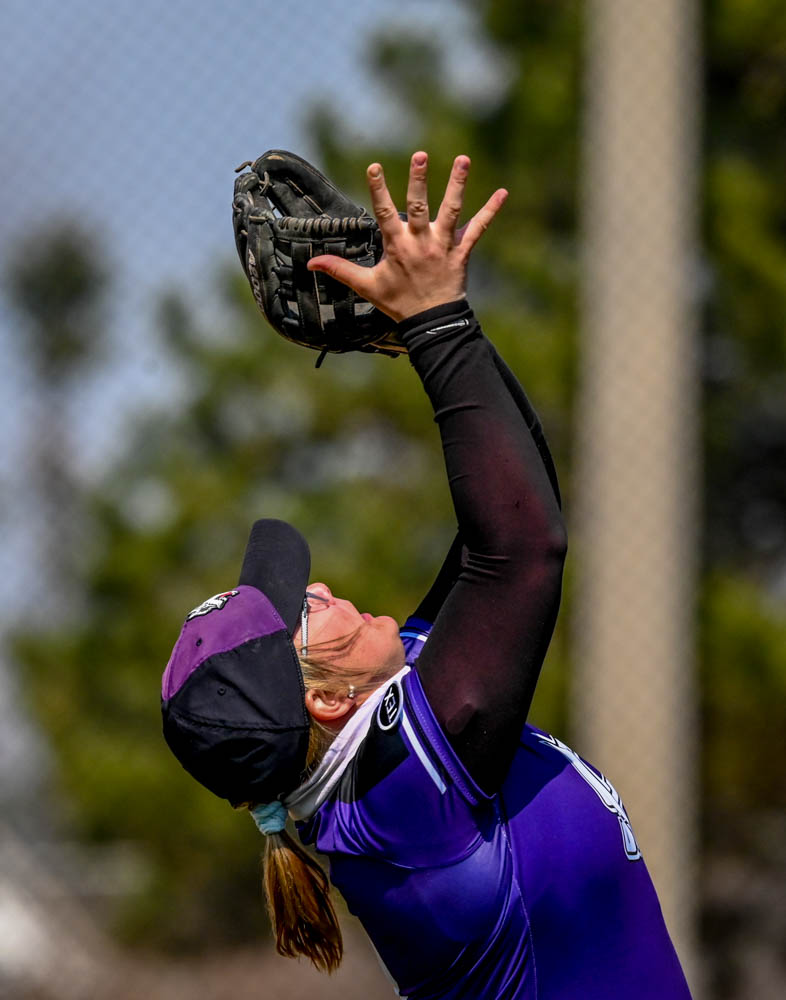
x=129, y=117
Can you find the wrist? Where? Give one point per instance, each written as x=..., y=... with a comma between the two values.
x=457, y=308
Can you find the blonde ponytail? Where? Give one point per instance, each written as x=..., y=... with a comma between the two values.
x=297, y=889
x=298, y=900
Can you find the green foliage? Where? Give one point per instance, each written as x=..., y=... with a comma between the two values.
x=744, y=690
x=341, y=452
x=348, y=453
x=745, y=224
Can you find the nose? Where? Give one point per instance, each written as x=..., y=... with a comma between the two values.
x=321, y=590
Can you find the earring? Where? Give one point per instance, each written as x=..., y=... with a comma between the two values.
x=351, y=691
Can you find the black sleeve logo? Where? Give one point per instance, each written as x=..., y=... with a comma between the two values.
x=390, y=707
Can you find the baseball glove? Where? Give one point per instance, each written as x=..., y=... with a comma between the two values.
x=285, y=212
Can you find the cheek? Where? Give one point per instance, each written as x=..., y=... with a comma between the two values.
x=329, y=626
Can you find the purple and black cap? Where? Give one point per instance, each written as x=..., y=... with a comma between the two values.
x=232, y=694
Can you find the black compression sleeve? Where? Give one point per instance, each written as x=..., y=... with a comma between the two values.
x=480, y=665
x=428, y=609
x=531, y=419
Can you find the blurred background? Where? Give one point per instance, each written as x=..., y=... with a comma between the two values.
x=636, y=282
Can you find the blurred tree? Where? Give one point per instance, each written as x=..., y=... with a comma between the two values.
x=745, y=224
x=57, y=285
x=344, y=450
x=341, y=452
x=743, y=626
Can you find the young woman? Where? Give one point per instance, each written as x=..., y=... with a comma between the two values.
x=482, y=855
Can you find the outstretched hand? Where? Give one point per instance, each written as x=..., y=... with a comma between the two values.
x=424, y=262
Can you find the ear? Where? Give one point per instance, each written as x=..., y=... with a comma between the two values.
x=327, y=707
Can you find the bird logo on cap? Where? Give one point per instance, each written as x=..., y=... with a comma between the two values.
x=214, y=603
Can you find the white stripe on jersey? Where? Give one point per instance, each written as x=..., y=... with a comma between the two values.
x=422, y=755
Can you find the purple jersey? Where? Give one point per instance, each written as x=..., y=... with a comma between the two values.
x=536, y=892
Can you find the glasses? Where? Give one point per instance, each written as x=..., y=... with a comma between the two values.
x=315, y=602
x=312, y=604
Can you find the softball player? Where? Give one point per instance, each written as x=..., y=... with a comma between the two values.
x=482, y=855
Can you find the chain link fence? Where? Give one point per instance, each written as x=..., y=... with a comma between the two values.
x=122, y=125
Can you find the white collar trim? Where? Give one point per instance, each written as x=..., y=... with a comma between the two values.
x=305, y=800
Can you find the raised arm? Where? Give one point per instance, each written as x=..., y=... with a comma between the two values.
x=483, y=657
x=481, y=663
x=432, y=602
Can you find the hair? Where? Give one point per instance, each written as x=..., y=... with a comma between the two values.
x=297, y=889
x=298, y=901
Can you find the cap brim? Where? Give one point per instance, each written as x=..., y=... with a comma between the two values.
x=278, y=562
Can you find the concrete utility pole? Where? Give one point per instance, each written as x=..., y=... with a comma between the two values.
x=634, y=707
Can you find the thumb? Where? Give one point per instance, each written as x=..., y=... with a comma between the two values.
x=358, y=278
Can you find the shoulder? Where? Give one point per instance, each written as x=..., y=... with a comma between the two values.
x=414, y=633
x=398, y=799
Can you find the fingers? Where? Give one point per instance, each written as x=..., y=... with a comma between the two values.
x=417, y=194
x=450, y=209
x=375, y=283
x=381, y=202
x=480, y=222
x=358, y=278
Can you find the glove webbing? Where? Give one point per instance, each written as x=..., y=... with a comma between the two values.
x=306, y=288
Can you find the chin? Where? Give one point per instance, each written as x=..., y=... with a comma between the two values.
x=400, y=654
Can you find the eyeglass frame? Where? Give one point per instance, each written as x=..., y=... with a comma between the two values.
x=304, y=613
